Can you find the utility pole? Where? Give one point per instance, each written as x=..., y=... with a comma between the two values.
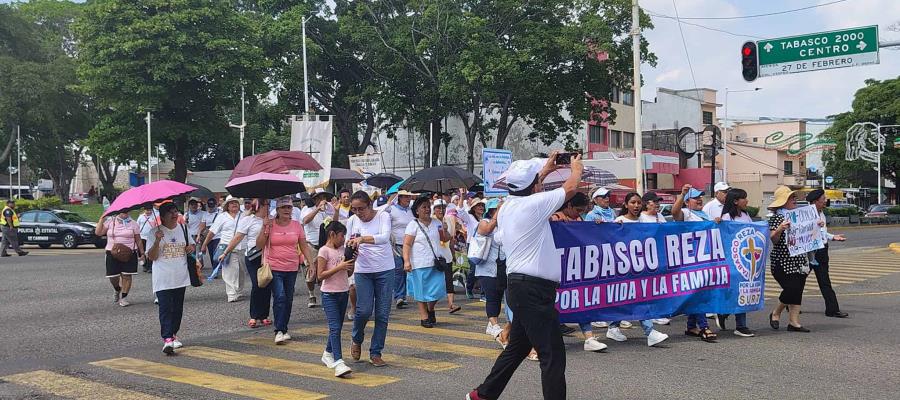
x=430, y=141
x=305, y=76
x=636, y=83
x=243, y=122
x=149, y=151
x=19, y=161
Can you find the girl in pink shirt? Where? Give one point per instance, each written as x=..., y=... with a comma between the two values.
x=334, y=272
x=279, y=240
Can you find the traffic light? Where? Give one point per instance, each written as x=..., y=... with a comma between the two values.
x=749, y=62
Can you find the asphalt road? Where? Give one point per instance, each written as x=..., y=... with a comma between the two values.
x=58, y=316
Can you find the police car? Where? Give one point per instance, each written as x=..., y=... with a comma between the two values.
x=48, y=227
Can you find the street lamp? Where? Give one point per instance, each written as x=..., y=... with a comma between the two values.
x=725, y=136
x=242, y=125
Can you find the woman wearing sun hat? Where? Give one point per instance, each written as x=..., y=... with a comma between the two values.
x=790, y=272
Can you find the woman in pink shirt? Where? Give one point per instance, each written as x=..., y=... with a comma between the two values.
x=279, y=240
x=121, y=229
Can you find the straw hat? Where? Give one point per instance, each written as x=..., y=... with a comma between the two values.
x=231, y=198
x=782, y=193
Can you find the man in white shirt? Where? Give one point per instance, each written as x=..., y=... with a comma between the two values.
x=714, y=208
x=401, y=216
x=147, y=221
x=533, y=275
x=194, y=217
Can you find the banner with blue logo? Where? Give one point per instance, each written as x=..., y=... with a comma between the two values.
x=613, y=272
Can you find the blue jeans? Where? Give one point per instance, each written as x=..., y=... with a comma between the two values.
x=282, y=298
x=740, y=320
x=699, y=321
x=399, y=284
x=335, y=305
x=171, y=307
x=373, y=294
x=646, y=325
x=493, y=296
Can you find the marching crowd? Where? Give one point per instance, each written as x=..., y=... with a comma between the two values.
x=368, y=254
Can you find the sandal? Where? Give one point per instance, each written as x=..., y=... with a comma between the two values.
x=252, y=323
x=692, y=333
x=454, y=309
x=708, y=336
x=533, y=356
x=266, y=322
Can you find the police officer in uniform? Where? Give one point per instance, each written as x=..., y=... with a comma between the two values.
x=9, y=224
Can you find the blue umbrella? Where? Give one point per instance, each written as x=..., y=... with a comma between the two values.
x=395, y=188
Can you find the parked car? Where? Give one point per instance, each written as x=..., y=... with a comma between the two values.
x=878, y=210
x=48, y=227
x=666, y=210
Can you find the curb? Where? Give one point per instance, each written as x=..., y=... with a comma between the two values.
x=895, y=247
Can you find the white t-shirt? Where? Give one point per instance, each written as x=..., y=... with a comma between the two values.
x=224, y=228
x=651, y=218
x=744, y=217
x=211, y=218
x=527, y=238
x=146, y=223
x=193, y=221
x=312, y=228
x=250, y=227
x=690, y=216
x=622, y=219
x=170, y=269
x=376, y=257
x=713, y=209
x=343, y=214
x=400, y=219
x=471, y=224
x=421, y=255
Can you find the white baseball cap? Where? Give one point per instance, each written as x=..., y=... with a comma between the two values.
x=602, y=192
x=721, y=187
x=521, y=173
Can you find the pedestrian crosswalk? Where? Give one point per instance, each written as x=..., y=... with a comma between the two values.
x=252, y=366
x=61, y=252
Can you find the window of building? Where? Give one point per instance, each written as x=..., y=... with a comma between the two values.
x=788, y=167
x=707, y=118
x=595, y=135
x=628, y=97
x=755, y=140
x=627, y=140
x=615, y=139
x=615, y=96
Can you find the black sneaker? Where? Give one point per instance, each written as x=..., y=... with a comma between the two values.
x=401, y=304
x=5, y=255
x=117, y=297
x=23, y=253
x=744, y=332
x=567, y=330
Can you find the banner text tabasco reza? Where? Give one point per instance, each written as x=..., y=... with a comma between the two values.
x=635, y=271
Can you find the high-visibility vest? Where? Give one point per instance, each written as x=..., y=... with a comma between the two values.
x=15, y=217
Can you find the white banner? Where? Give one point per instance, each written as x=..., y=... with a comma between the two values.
x=367, y=165
x=804, y=235
x=314, y=138
x=495, y=163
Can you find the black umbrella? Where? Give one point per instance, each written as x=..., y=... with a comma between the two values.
x=383, y=180
x=265, y=185
x=440, y=179
x=201, y=192
x=343, y=175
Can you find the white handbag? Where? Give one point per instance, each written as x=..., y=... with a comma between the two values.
x=479, y=248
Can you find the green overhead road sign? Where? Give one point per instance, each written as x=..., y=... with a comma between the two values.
x=818, y=51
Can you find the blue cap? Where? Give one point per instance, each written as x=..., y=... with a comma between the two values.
x=693, y=193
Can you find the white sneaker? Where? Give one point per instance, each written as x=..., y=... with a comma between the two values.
x=616, y=334
x=600, y=324
x=124, y=303
x=493, y=330
x=177, y=343
x=328, y=359
x=312, y=303
x=169, y=347
x=279, y=338
x=341, y=370
x=349, y=316
x=661, y=321
x=656, y=337
x=710, y=315
x=592, y=344
x=155, y=300
x=625, y=325
x=286, y=336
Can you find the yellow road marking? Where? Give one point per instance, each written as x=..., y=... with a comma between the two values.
x=286, y=366
x=419, y=344
x=445, y=318
x=208, y=380
x=872, y=293
x=440, y=332
x=74, y=388
x=851, y=274
x=316, y=349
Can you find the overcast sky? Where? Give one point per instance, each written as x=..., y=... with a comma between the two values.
x=716, y=60
x=715, y=56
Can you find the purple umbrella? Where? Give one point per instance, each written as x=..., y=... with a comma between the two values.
x=147, y=195
x=266, y=185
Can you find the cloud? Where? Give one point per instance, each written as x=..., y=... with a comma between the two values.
x=671, y=75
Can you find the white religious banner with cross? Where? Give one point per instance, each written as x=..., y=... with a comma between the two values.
x=312, y=134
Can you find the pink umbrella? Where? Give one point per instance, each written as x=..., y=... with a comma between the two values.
x=265, y=185
x=275, y=161
x=148, y=194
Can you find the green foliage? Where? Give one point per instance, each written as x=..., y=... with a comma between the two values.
x=47, y=202
x=90, y=212
x=878, y=102
x=752, y=211
x=894, y=210
x=841, y=212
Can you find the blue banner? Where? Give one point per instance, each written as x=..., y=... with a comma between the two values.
x=636, y=271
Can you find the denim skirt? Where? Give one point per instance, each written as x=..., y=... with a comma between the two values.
x=426, y=284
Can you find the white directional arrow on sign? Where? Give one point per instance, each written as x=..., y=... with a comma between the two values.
x=861, y=46
x=768, y=47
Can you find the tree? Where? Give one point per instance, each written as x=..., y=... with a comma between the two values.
x=183, y=60
x=879, y=103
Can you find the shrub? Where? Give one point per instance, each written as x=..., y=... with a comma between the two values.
x=894, y=210
x=752, y=211
x=48, y=202
x=841, y=212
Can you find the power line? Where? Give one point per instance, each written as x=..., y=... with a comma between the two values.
x=688, y=55
x=766, y=14
x=741, y=35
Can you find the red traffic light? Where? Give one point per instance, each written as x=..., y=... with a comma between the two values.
x=746, y=51
x=749, y=62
